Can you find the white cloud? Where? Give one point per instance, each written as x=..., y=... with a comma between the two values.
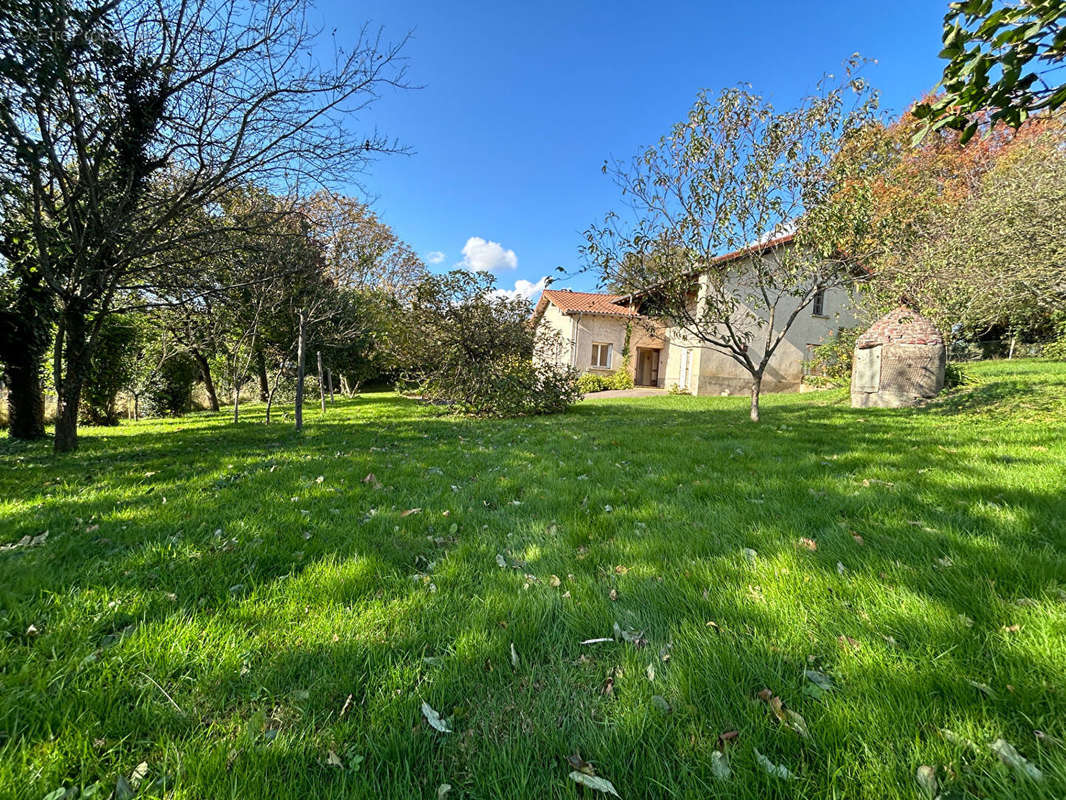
x=434, y=256
x=523, y=289
x=483, y=256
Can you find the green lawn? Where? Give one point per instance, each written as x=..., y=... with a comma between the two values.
x=231, y=605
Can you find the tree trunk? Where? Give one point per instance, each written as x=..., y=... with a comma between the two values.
x=261, y=373
x=321, y=383
x=25, y=398
x=205, y=373
x=300, y=375
x=236, y=403
x=75, y=367
x=329, y=380
x=1010, y=353
x=756, y=388
x=25, y=333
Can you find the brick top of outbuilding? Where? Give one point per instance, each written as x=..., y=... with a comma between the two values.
x=902, y=325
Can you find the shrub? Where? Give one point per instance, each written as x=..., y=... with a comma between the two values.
x=954, y=375
x=590, y=382
x=170, y=390
x=110, y=370
x=474, y=350
x=832, y=359
x=1055, y=350
x=508, y=387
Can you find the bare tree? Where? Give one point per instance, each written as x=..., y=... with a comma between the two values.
x=121, y=120
x=725, y=237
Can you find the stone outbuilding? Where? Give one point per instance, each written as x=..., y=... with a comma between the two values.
x=898, y=362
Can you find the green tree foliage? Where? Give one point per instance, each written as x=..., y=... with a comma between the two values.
x=475, y=351
x=969, y=233
x=1001, y=58
x=832, y=358
x=111, y=368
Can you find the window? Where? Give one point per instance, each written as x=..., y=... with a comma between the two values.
x=601, y=356
x=818, y=306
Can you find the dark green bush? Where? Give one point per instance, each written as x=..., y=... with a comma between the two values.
x=110, y=370
x=170, y=390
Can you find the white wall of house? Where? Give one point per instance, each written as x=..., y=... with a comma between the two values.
x=557, y=322
x=714, y=372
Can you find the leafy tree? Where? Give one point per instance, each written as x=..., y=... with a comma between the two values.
x=120, y=120
x=736, y=176
x=1000, y=58
x=361, y=251
x=474, y=350
x=967, y=232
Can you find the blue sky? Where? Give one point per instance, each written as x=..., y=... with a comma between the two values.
x=522, y=103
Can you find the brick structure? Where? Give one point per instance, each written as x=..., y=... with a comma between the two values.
x=898, y=362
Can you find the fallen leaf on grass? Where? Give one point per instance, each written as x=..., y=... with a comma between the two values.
x=635, y=639
x=965, y=620
x=514, y=656
x=855, y=644
x=613, y=595
x=1012, y=758
x=720, y=765
x=661, y=703
x=580, y=764
x=334, y=760
x=786, y=716
x=810, y=544
x=372, y=479
x=410, y=511
x=750, y=554
x=594, y=782
x=443, y=789
x=598, y=641
x=123, y=790
x=433, y=718
x=554, y=580
x=955, y=739
x=776, y=770
x=501, y=562
x=926, y=778
x=1011, y=628
x=822, y=681
x=857, y=537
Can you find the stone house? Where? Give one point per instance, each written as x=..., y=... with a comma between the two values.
x=593, y=328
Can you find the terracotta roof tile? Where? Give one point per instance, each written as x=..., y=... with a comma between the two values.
x=585, y=303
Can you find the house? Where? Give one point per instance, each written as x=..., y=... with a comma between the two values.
x=594, y=329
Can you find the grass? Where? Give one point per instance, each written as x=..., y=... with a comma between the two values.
x=232, y=605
